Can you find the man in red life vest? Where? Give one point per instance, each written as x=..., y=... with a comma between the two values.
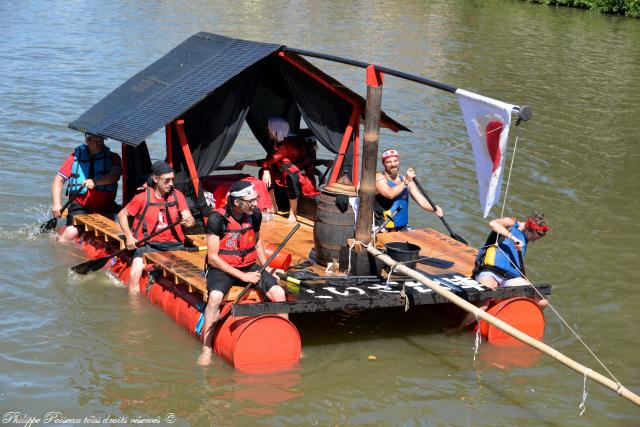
x=291, y=165
x=234, y=245
x=159, y=206
x=392, y=194
x=92, y=172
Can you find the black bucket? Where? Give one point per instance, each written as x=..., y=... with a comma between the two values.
x=404, y=252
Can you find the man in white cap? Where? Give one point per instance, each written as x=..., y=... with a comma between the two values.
x=234, y=246
x=159, y=206
x=392, y=194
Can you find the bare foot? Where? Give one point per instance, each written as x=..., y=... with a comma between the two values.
x=542, y=303
x=292, y=219
x=134, y=290
x=205, y=358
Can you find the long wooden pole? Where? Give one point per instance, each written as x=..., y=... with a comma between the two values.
x=467, y=306
x=367, y=191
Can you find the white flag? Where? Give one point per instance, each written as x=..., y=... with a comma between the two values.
x=487, y=122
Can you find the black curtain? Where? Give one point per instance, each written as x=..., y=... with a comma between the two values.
x=272, y=99
x=326, y=114
x=211, y=128
x=138, y=168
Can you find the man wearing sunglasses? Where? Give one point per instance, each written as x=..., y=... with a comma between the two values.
x=159, y=206
x=91, y=172
x=233, y=247
x=500, y=262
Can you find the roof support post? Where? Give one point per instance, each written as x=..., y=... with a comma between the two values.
x=193, y=172
x=367, y=189
x=356, y=153
x=125, y=174
x=344, y=144
x=168, y=144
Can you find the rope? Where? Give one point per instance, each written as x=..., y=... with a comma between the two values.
x=564, y=322
x=403, y=294
x=351, y=248
x=585, y=393
x=478, y=340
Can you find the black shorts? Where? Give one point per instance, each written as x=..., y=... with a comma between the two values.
x=157, y=247
x=76, y=208
x=220, y=281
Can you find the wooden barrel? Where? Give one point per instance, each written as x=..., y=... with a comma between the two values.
x=332, y=228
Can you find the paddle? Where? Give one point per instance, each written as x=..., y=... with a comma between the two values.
x=388, y=220
x=50, y=225
x=311, y=279
x=246, y=289
x=98, y=263
x=444, y=221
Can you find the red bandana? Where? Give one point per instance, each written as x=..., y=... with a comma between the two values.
x=535, y=227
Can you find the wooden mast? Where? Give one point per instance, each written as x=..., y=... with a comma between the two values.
x=367, y=189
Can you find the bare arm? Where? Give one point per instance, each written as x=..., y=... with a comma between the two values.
x=110, y=178
x=56, y=190
x=214, y=260
x=187, y=219
x=422, y=201
x=502, y=226
x=384, y=189
x=123, y=220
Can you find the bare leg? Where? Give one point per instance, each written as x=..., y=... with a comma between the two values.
x=69, y=234
x=277, y=294
x=137, y=265
x=293, y=210
x=273, y=200
x=211, y=315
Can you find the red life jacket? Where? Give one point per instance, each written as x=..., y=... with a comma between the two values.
x=238, y=244
x=146, y=222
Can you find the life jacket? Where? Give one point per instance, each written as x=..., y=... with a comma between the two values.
x=501, y=258
x=238, y=244
x=383, y=208
x=146, y=221
x=86, y=167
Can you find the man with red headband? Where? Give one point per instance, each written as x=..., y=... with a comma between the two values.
x=392, y=194
x=500, y=262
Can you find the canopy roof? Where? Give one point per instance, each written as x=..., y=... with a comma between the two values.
x=198, y=68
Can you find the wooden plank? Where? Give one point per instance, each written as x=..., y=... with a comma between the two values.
x=350, y=298
x=101, y=225
x=434, y=244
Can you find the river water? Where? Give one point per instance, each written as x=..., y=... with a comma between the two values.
x=82, y=348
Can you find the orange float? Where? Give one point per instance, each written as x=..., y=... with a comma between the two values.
x=266, y=343
x=521, y=313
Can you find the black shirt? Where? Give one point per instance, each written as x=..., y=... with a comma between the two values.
x=217, y=223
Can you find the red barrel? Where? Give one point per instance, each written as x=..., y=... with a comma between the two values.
x=282, y=260
x=258, y=344
x=521, y=313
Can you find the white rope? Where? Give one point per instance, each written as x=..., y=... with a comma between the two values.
x=478, y=340
x=564, y=322
x=585, y=393
x=351, y=249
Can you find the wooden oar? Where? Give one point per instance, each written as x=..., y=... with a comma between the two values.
x=517, y=334
x=444, y=221
x=229, y=307
x=50, y=225
x=98, y=263
x=521, y=263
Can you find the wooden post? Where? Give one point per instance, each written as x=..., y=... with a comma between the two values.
x=367, y=189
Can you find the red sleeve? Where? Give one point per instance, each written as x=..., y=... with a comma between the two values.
x=136, y=204
x=272, y=159
x=182, y=202
x=65, y=169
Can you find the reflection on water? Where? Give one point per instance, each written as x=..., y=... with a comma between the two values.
x=79, y=347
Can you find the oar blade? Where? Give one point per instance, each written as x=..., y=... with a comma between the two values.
x=459, y=238
x=91, y=265
x=48, y=226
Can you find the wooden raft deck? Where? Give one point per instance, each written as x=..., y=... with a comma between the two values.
x=184, y=268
